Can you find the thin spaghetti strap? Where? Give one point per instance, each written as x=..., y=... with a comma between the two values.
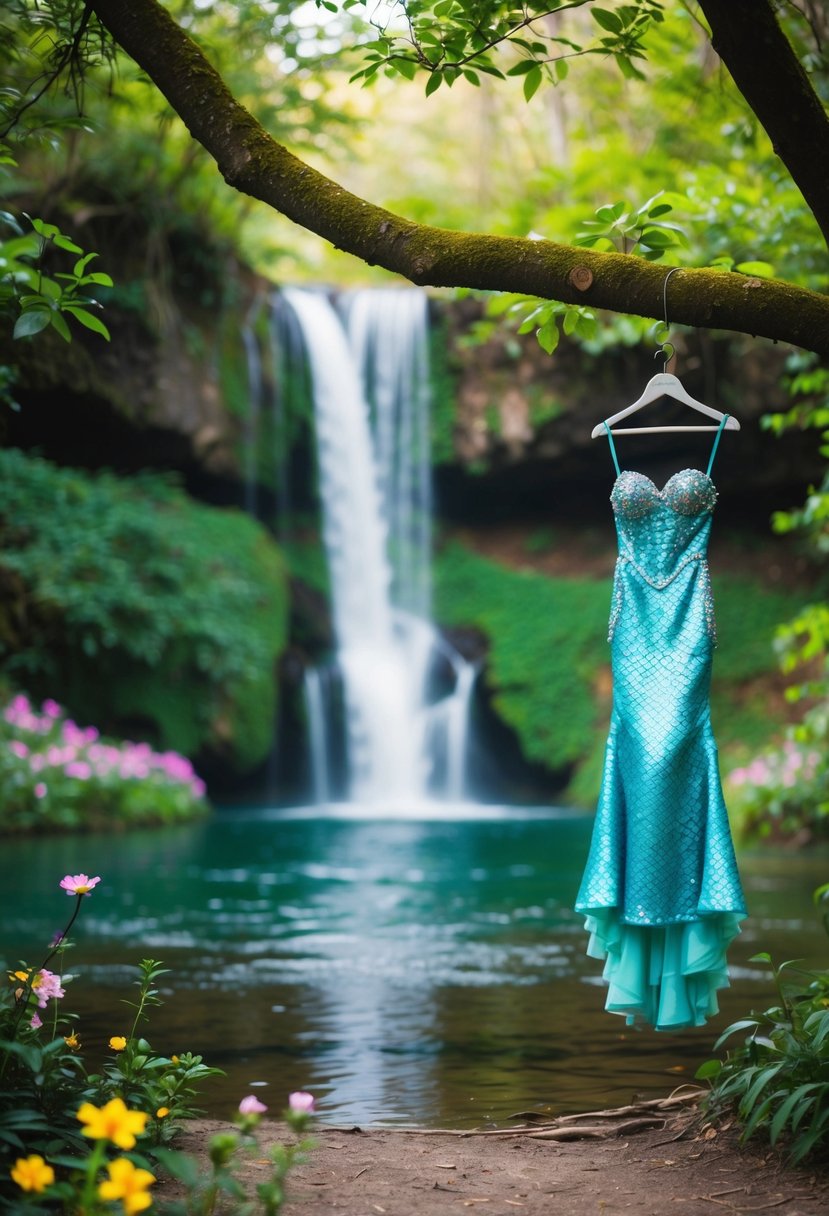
x=612, y=449
x=716, y=445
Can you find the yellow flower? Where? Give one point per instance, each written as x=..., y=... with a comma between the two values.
x=32, y=1173
x=129, y=1184
x=19, y=975
x=72, y=1040
x=112, y=1122
x=162, y=1112
x=117, y=1042
x=174, y=1060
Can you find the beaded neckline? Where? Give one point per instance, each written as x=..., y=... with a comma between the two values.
x=652, y=483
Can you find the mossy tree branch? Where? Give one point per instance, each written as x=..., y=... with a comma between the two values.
x=253, y=162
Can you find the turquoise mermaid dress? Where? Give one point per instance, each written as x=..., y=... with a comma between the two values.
x=660, y=892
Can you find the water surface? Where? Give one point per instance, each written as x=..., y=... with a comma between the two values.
x=416, y=970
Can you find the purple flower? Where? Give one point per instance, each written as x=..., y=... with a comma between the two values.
x=301, y=1103
x=51, y=708
x=37, y=1021
x=251, y=1106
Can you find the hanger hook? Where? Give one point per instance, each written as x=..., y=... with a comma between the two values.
x=665, y=345
x=663, y=351
x=673, y=270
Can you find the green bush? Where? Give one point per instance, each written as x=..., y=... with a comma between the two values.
x=777, y=1080
x=140, y=609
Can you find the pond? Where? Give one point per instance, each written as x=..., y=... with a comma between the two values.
x=417, y=970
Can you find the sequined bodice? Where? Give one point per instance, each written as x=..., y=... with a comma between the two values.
x=661, y=531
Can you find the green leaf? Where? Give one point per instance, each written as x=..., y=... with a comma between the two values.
x=404, y=67
x=657, y=238
x=63, y=242
x=31, y=322
x=532, y=82
x=88, y=319
x=548, y=336
x=45, y=230
x=782, y=1114
x=762, y=957
x=561, y=69
x=760, y=270
x=433, y=83
x=522, y=67
x=60, y=325
x=610, y=212
x=607, y=20
x=743, y=1024
x=627, y=68
x=571, y=320
x=709, y=1069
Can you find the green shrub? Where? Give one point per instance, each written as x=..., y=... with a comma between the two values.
x=140, y=609
x=777, y=1081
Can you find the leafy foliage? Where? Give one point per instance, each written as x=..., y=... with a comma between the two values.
x=777, y=1081
x=39, y=300
x=126, y=597
x=785, y=792
x=458, y=39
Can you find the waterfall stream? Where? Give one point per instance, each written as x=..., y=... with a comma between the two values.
x=406, y=692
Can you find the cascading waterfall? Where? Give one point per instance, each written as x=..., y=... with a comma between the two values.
x=254, y=414
x=316, y=709
x=369, y=374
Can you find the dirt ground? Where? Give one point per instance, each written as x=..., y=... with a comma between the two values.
x=662, y=1163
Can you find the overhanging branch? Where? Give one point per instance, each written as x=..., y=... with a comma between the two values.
x=254, y=163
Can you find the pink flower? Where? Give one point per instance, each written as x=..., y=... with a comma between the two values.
x=78, y=884
x=79, y=769
x=251, y=1106
x=36, y=762
x=51, y=708
x=46, y=985
x=301, y=1103
x=40, y=790
x=37, y=1021
x=20, y=749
